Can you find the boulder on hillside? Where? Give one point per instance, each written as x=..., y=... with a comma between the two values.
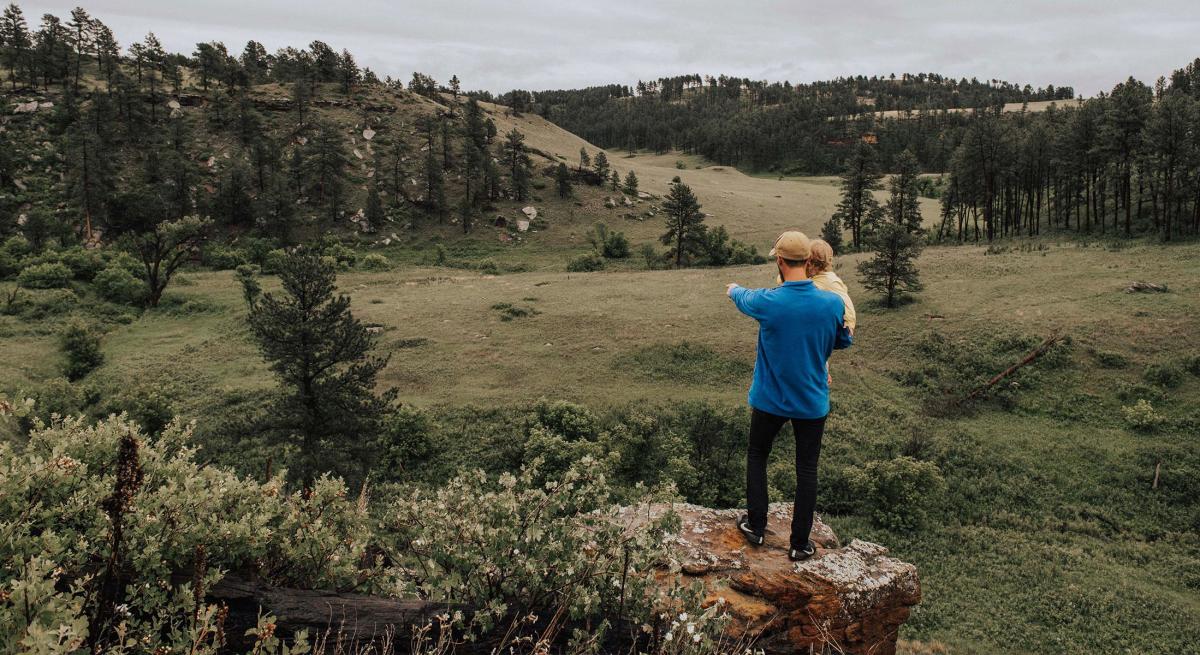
x=530, y=212
x=847, y=599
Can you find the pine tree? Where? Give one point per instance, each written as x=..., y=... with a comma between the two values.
x=904, y=202
x=685, y=235
x=859, y=182
x=15, y=41
x=91, y=180
x=562, y=180
x=397, y=170
x=348, y=73
x=455, y=86
x=585, y=160
x=321, y=355
x=374, y=210
x=108, y=54
x=600, y=165
x=325, y=168
x=232, y=204
x=893, y=269
x=631, y=184
x=831, y=232
x=614, y=181
x=80, y=29
x=517, y=162
x=435, y=186
x=300, y=95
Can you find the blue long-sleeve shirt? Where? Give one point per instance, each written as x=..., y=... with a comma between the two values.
x=799, y=327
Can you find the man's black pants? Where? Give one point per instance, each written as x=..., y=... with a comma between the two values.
x=764, y=428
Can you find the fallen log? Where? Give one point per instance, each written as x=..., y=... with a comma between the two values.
x=1054, y=338
x=351, y=620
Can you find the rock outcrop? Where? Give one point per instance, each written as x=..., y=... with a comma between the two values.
x=852, y=598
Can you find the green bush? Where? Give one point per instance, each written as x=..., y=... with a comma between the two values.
x=274, y=260
x=149, y=408
x=1191, y=364
x=221, y=257
x=404, y=444
x=1142, y=417
x=344, y=257
x=1164, y=375
x=1132, y=391
x=81, y=345
x=897, y=493
x=616, y=246
x=45, y=276
x=55, y=397
x=84, y=264
x=44, y=304
x=375, y=262
x=247, y=276
x=1110, y=359
x=518, y=543
x=117, y=284
x=586, y=263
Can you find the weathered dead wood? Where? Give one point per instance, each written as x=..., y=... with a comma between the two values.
x=347, y=618
x=1033, y=355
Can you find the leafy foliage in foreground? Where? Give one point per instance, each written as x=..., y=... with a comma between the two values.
x=100, y=522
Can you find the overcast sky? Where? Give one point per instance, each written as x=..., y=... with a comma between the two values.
x=506, y=44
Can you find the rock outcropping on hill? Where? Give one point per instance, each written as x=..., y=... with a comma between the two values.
x=852, y=597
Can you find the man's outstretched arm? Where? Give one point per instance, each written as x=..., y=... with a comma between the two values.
x=746, y=300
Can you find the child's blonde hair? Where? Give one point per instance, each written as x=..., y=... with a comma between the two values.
x=821, y=256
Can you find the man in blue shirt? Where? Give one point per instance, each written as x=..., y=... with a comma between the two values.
x=799, y=327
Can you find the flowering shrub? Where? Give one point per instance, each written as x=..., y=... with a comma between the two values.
x=98, y=521
x=110, y=539
x=513, y=546
x=1142, y=417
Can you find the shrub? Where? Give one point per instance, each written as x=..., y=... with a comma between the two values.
x=56, y=396
x=149, y=408
x=404, y=443
x=654, y=260
x=45, y=276
x=81, y=345
x=84, y=264
x=897, y=493
x=52, y=302
x=12, y=251
x=375, y=262
x=612, y=245
x=1132, y=391
x=1191, y=364
x=1110, y=359
x=116, y=284
x=557, y=542
x=63, y=484
x=221, y=257
x=1164, y=375
x=1142, y=417
x=344, y=257
x=247, y=276
x=586, y=263
x=274, y=260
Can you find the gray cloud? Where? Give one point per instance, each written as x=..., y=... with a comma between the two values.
x=541, y=45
